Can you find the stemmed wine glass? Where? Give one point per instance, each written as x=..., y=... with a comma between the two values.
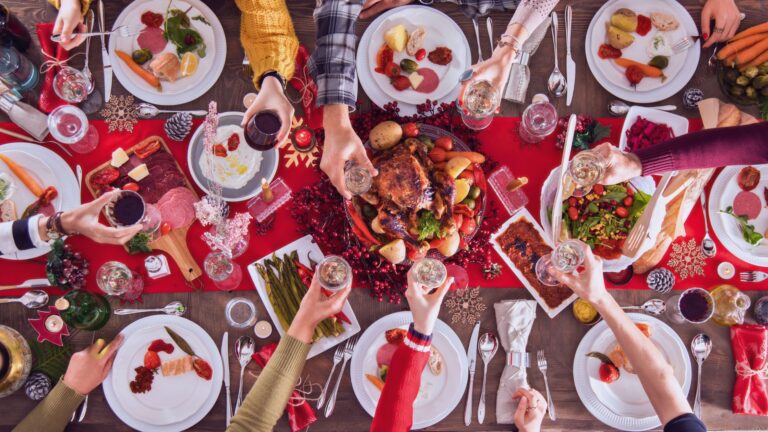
x=566, y=257
x=69, y=125
x=334, y=273
x=71, y=84
x=479, y=105
x=585, y=170
x=128, y=208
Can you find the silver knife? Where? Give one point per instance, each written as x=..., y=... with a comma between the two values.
x=557, y=208
x=30, y=283
x=570, y=65
x=106, y=62
x=472, y=358
x=225, y=362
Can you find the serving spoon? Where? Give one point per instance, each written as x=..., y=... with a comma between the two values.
x=651, y=307
x=175, y=308
x=556, y=84
x=244, y=347
x=34, y=299
x=147, y=111
x=619, y=108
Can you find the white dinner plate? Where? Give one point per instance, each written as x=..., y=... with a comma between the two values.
x=681, y=66
x=174, y=403
x=306, y=248
x=726, y=228
x=185, y=89
x=624, y=404
x=366, y=64
x=645, y=183
x=679, y=124
x=267, y=170
x=438, y=395
x=441, y=30
x=41, y=163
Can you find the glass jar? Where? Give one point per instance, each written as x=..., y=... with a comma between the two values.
x=730, y=305
x=83, y=310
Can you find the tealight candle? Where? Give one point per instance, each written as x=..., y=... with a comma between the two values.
x=303, y=139
x=726, y=270
x=54, y=323
x=248, y=100
x=262, y=329
x=266, y=192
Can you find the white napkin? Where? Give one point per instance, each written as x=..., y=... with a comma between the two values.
x=514, y=320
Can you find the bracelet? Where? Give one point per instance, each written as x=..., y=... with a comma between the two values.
x=514, y=43
x=57, y=223
x=274, y=74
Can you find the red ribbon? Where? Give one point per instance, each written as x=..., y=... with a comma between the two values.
x=48, y=98
x=300, y=414
x=749, y=343
x=302, y=81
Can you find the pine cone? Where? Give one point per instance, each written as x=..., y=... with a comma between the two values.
x=38, y=386
x=692, y=97
x=178, y=126
x=661, y=280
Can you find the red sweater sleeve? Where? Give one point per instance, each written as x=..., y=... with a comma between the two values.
x=394, y=412
x=711, y=148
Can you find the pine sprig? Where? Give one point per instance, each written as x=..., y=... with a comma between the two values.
x=50, y=359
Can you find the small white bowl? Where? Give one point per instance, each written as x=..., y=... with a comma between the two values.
x=679, y=124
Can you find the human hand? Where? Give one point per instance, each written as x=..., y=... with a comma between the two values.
x=341, y=145
x=315, y=307
x=89, y=367
x=85, y=220
x=619, y=166
x=272, y=98
x=495, y=70
x=727, y=19
x=69, y=19
x=589, y=284
x=530, y=410
x=375, y=7
x=425, y=306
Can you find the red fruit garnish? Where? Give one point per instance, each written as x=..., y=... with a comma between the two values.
x=400, y=83
x=608, y=373
x=395, y=336
x=151, y=360
x=158, y=345
x=573, y=213
x=131, y=186
x=219, y=150
x=202, y=369
x=643, y=25
x=410, y=130
x=598, y=189
x=233, y=142
x=622, y=212
x=634, y=74
x=608, y=52
x=420, y=54
x=165, y=228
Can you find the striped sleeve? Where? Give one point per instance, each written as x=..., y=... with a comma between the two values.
x=20, y=235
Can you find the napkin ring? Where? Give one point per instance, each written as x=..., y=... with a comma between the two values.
x=519, y=360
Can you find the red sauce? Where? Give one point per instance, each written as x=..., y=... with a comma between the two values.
x=151, y=19
x=431, y=80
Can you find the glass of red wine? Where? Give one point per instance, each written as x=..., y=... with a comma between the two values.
x=126, y=209
x=694, y=305
x=262, y=129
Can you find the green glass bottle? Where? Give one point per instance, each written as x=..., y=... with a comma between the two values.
x=83, y=310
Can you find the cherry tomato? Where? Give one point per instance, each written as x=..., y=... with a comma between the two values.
x=608, y=373
x=630, y=192
x=151, y=360
x=131, y=187
x=628, y=201
x=573, y=201
x=622, y=212
x=420, y=54
x=400, y=82
x=598, y=189
x=410, y=130
x=573, y=213
x=165, y=228
x=468, y=227
x=634, y=74
x=445, y=143
x=392, y=69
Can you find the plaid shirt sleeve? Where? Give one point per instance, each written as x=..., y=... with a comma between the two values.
x=476, y=8
x=333, y=63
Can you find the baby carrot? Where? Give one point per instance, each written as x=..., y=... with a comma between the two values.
x=375, y=381
x=757, y=29
x=734, y=47
x=748, y=54
x=138, y=70
x=23, y=175
x=648, y=70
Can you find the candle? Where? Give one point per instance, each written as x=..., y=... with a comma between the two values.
x=303, y=139
x=54, y=324
x=266, y=192
x=262, y=329
x=248, y=100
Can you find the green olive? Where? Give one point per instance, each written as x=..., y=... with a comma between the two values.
x=408, y=65
x=659, y=61
x=469, y=202
x=474, y=192
x=142, y=56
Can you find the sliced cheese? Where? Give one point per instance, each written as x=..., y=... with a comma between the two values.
x=119, y=157
x=396, y=38
x=139, y=173
x=415, y=79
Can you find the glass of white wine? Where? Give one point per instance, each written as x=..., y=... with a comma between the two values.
x=429, y=272
x=585, y=170
x=334, y=273
x=565, y=258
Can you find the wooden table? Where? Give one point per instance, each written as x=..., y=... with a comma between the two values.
x=558, y=337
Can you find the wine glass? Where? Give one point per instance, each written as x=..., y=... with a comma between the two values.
x=71, y=84
x=357, y=178
x=694, y=306
x=429, y=272
x=261, y=131
x=565, y=258
x=481, y=101
x=127, y=209
x=224, y=273
x=115, y=279
x=69, y=125
x=585, y=170
x=334, y=273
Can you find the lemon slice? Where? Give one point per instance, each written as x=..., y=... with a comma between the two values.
x=189, y=63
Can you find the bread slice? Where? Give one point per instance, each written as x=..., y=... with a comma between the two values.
x=415, y=41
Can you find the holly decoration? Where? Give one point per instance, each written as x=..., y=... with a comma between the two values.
x=588, y=132
x=65, y=268
x=38, y=386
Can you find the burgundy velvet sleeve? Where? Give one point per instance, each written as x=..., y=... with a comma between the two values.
x=711, y=148
x=394, y=412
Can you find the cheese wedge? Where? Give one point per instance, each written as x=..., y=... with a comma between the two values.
x=119, y=157
x=139, y=173
x=415, y=79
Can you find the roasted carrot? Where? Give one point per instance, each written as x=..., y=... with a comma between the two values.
x=138, y=70
x=734, y=47
x=747, y=55
x=648, y=70
x=473, y=157
x=760, y=28
x=23, y=175
x=762, y=58
x=375, y=381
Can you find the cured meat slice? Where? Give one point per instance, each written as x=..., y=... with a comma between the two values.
x=177, y=207
x=177, y=367
x=152, y=38
x=749, y=177
x=430, y=82
x=747, y=204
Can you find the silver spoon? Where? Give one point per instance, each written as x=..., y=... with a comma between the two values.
x=34, y=299
x=556, y=83
x=87, y=68
x=173, y=308
x=487, y=347
x=244, y=348
x=619, y=108
x=651, y=307
x=701, y=346
x=146, y=111
x=708, y=247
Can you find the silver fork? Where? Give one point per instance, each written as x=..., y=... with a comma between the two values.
x=122, y=31
x=684, y=43
x=348, y=348
x=753, y=276
x=336, y=360
x=712, y=61
x=542, y=362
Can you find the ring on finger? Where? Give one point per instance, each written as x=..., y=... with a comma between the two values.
x=718, y=30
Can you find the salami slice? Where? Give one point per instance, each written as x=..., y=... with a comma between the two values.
x=152, y=38
x=747, y=204
x=430, y=82
x=177, y=207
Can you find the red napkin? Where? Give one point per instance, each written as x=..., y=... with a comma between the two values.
x=750, y=352
x=48, y=98
x=300, y=416
x=302, y=81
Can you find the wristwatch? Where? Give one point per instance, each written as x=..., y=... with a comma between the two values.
x=53, y=228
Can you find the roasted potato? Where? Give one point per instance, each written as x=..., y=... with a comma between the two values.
x=385, y=135
x=394, y=251
x=625, y=19
x=618, y=38
x=450, y=246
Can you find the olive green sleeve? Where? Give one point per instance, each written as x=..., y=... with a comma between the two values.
x=53, y=413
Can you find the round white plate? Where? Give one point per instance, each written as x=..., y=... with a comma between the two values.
x=548, y=191
x=42, y=163
x=185, y=89
x=438, y=395
x=726, y=228
x=681, y=66
x=624, y=404
x=366, y=64
x=267, y=170
x=174, y=403
x=441, y=30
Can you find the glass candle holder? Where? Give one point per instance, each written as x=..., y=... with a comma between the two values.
x=240, y=313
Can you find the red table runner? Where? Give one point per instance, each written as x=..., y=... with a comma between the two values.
x=500, y=142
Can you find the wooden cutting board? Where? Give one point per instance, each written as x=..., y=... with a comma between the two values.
x=173, y=243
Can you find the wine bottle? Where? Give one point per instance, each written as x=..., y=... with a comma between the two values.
x=12, y=31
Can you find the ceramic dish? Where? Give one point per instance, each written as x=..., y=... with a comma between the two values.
x=679, y=124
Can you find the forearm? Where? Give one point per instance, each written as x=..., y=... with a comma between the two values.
x=333, y=63
x=268, y=37
x=266, y=401
x=336, y=116
x=656, y=375
x=53, y=413
x=711, y=148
